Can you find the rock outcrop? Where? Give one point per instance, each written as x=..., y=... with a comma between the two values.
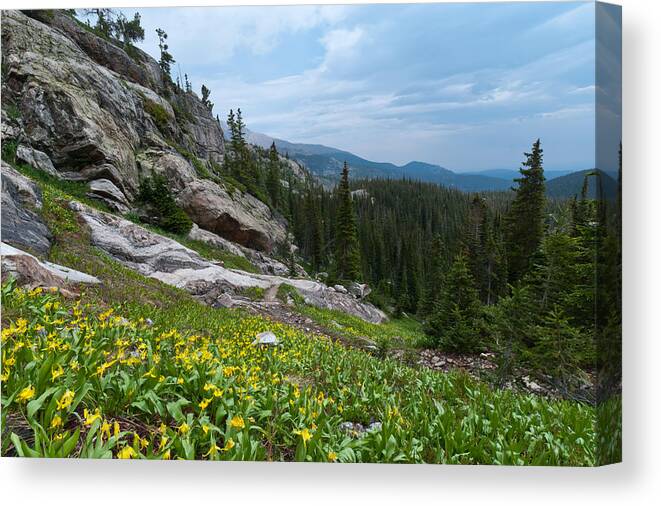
x=86, y=110
x=21, y=223
x=168, y=261
x=28, y=270
x=240, y=217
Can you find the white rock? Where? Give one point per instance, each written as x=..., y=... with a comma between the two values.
x=268, y=338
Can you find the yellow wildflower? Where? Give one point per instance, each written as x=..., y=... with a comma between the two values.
x=228, y=445
x=66, y=399
x=26, y=394
x=332, y=456
x=115, y=428
x=162, y=428
x=90, y=418
x=204, y=403
x=126, y=453
x=56, y=372
x=166, y=455
x=305, y=434
x=237, y=422
x=184, y=428
x=212, y=451
x=56, y=422
x=105, y=429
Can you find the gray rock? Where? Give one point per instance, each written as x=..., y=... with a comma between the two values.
x=360, y=290
x=198, y=234
x=38, y=159
x=105, y=190
x=266, y=338
x=168, y=261
x=240, y=217
x=86, y=103
x=27, y=269
x=21, y=224
x=340, y=289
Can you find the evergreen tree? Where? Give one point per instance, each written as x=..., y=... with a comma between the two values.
x=273, y=179
x=129, y=31
x=347, y=254
x=205, y=97
x=166, y=60
x=454, y=325
x=525, y=222
x=435, y=276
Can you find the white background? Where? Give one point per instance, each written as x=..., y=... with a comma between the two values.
x=637, y=481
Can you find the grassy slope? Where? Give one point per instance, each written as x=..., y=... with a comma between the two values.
x=308, y=388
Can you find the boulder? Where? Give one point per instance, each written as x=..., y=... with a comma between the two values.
x=239, y=217
x=28, y=270
x=359, y=290
x=106, y=191
x=35, y=158
x=340, y=289
x=21, y=223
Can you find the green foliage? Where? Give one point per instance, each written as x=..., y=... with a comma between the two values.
x=286, y=292
x=455, y=322
x=158, y=114
x=273, y=180
x=347, y=252
x=200, y=390
x=166, y=60
x=254, y=293
x=13, y=111
x=56, y=213
x=155, y=192
x=9, y=151
x=525, y=221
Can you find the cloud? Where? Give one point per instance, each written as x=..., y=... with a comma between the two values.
x=402, y=82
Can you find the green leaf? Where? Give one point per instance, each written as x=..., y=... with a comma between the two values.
x=35, y=404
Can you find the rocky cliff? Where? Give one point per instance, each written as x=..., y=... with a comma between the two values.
x=80, y=107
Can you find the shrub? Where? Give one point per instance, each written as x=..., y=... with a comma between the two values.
x=154, y=191
x=158, y=114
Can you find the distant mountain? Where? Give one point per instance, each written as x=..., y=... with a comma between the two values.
x=326, y=164
x=511, y=174
x=571, y=184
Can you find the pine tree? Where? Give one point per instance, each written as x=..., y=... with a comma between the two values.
x=205, y=97
x=525, y=222
x=347, y=253
x=454, y=324
x=129, y=31
x=434, y=277
x=273, y=179
x=166, y=60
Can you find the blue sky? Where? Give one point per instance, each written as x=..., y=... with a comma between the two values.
x=466, y=86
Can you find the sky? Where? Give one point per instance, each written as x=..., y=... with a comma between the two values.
x=465, y=86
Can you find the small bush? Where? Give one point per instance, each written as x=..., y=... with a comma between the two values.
x=9, y=151
x=158, y=114
x=254, y=293
x=286, y=291
x=155, y=192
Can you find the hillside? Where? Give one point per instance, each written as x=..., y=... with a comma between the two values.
x=571, y=185
x=173, y=288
